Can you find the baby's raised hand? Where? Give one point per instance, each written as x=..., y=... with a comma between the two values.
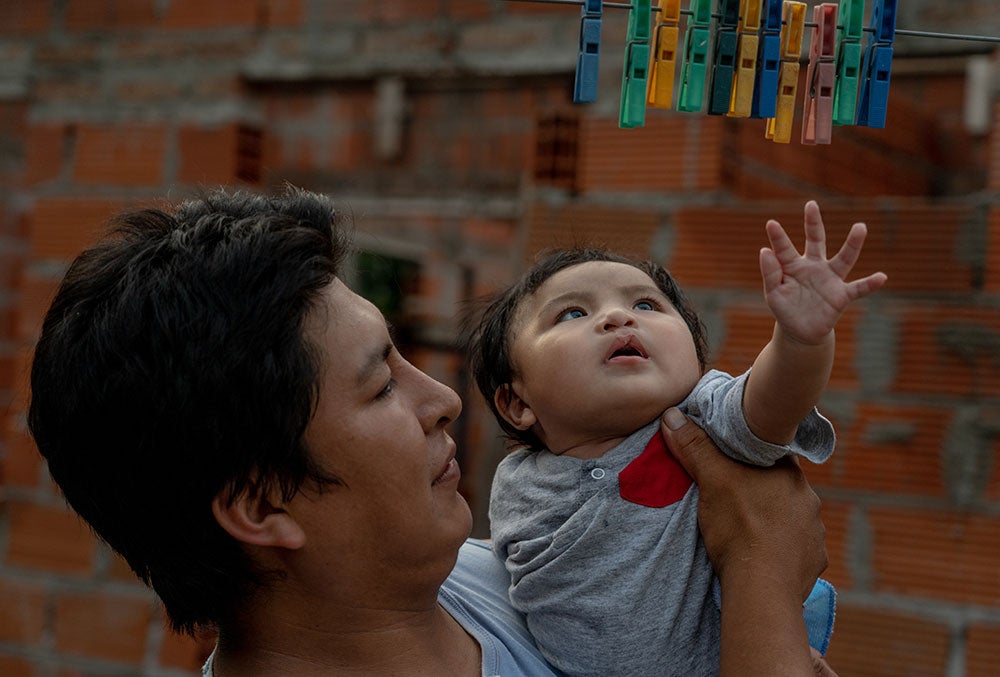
x=807, y=293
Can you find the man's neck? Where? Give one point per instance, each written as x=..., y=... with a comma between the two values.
x=366, y=642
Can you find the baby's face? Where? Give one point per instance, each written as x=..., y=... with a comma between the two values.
x=598, y=350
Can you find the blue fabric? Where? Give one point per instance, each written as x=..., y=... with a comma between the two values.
x=819, y=611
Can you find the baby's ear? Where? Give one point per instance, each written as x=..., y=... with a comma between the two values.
x=513, y=409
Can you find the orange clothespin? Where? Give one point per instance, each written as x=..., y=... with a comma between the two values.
x=745, y=73
x=817, y=111
x=663, y=58
x=793, y=14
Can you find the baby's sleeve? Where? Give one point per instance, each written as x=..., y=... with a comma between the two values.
x=716, y=404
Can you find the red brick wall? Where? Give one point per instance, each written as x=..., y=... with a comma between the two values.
x=123, y=102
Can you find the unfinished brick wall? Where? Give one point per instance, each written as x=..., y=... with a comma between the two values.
x=106, y=104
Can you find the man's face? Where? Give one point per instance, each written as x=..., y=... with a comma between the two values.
x=396, y=517
x=599, y=351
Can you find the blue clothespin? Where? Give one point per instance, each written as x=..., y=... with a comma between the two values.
x=876, y=67
x=845, y=93
x=694, y=63
x=724, y=57
x=632, y=112
x=765, y=91
x=588, y=60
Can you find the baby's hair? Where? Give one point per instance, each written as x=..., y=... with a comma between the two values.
x=489, y=336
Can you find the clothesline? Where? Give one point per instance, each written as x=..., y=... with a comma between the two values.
x=899, y=31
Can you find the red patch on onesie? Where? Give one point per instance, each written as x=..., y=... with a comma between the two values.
x=654, y=478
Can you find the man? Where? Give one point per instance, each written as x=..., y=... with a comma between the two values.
x=232, y=419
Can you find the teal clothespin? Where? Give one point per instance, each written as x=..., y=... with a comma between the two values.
x=845, y=95
x=691, y=93
x=632, y=112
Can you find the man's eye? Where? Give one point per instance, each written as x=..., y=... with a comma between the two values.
x=571, y=314
x=387, y=390
x=644, y=305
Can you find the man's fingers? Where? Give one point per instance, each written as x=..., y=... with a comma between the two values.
x=689, y=443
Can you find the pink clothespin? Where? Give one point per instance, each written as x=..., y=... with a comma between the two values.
x=817, y=111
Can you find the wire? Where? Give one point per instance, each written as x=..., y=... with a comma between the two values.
x=899, y=31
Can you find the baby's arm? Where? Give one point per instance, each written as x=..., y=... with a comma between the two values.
x=807, y=293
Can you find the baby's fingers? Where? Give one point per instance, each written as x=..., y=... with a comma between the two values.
x=770, y=270
x=845, y=259
x=866, y=285
x=815, y=233
x=781, y=244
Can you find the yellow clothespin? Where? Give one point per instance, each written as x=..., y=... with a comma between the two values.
x=663, y=58
x=779, y=128
x=741, y=98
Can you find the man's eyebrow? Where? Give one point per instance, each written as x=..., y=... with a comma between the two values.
x=375, y=359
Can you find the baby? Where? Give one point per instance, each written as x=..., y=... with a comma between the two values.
x=594, y=519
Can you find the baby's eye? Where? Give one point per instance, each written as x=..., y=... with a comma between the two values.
x=571, y=314
x=644, y=305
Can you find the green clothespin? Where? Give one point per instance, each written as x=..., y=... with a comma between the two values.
x=632, y=112
x=694, y=67
x=845, y=88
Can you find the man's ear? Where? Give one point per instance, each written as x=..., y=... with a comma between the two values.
x=513, y=409
x=258, y=519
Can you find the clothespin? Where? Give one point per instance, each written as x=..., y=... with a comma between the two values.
x=695, y=60
x=765, y=94
x=745, y=73
x=817, y=111
x=779, y=128
x=588, y=60
x=724, y=57
x=660, y=88
x=876, y=66
x=632, y=112
x=845, y=89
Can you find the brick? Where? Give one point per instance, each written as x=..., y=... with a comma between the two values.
x=208, y=155
x=717, y=247
x=185, y=652
x=949, y=350
x=469, y=9
x=22, y=613
x=884, y=644
x=282, y=13
x=942, y=555
x=37, y=292
x=403, y=10
x=207, y=14
x=982, y=650
x=102, y=624
x=22, y=462
x=12, y=666
x=107, y=15
x=25, y=18
x=610, y=159
x=45, y=149
x=894, y=449
x=48, y=538
x=627, y=231
x=125, y=155
x=992, y=273
x=993, y=486
x=62, y=227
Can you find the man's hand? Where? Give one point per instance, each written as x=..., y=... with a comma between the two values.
x=807, y=293
x=762, y=530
